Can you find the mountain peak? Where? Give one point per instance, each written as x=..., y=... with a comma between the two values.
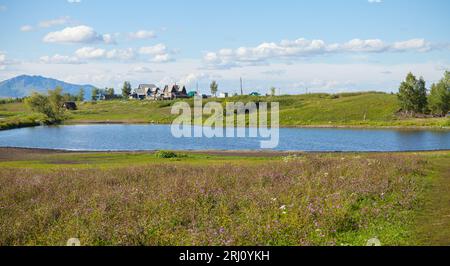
x=23, y=85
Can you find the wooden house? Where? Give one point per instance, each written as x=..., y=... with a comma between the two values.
x=171, y=92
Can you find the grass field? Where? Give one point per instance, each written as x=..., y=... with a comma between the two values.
x=350, y=109
x=47, y=197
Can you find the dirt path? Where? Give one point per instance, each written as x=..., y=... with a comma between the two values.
x=433, y=225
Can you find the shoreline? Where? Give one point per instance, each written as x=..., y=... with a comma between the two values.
x=6, y=151
x=69, y=123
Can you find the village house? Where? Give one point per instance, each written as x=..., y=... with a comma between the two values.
x=70, y=105
x=171, y=92
x=147, y=91
x=223, y=95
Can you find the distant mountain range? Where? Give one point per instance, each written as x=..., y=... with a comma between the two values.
x=23, y=85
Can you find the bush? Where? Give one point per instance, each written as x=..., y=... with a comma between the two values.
x=165, y=154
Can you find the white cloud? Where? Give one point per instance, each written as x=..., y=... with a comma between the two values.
x=153, y=50
x=375, y=1
x=54, y=22
x=141, y=69
x=158, y=53
x=162, y=58
x=73, y=1
x=77, y=34
x=60, y=59
x=191, y=78
x=2, y=60
x=98, y=53
x=26, y=28
x=121, y=54
x=286, y=49
x=90, y=53
x=142, y=34
x=108, y=39
x=415, y=44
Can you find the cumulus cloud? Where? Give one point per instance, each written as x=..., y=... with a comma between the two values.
x=153, y=50
x=98, y=53
x=194, y=77
x=54, y=22
x=90, y=53
x=158, y=53
x=60, y=59
x=2, y=60
x=142, y=34
x=26, y=28
x=121, y=54
x=287, y=49
x=47, y=24
x=78, y=34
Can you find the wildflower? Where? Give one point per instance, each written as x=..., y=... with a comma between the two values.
x=283, y=207
x=326, y=174
x=274, y=199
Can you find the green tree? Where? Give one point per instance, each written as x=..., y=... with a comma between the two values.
x=109, y=93
x=412, y=95
x=214, y=86
x=126, y=89
x=420, y=92
x=273, y=91
x=80, y=96
x=50, y=105
x=95, y=93
x=439, y=99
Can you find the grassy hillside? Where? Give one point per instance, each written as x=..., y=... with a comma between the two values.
x=351, y=109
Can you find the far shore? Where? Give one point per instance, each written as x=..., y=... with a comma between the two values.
x=106, y=122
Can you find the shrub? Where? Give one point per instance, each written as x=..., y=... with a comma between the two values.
x=165, y=154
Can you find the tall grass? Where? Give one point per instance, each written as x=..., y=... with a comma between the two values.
x=307, y=200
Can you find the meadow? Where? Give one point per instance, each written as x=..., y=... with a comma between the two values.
x=346, y=109
x=165, y=198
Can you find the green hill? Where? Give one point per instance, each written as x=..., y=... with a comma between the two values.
x=369, y=109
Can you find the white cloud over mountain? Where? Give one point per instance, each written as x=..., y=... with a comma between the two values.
x=78, y=34
x=2, y=60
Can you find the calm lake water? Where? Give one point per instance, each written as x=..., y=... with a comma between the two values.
x=159, y=137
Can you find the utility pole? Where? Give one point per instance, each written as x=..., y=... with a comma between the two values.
x=242, y=92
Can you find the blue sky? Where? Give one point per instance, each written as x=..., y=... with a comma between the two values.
x=322, y=45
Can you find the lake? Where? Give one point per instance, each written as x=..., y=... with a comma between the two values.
x=119, y=137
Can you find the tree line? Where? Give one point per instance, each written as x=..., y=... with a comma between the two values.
x=414, y=99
